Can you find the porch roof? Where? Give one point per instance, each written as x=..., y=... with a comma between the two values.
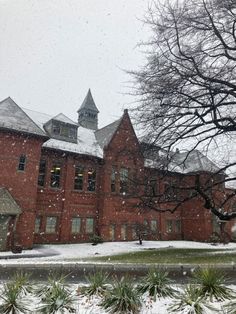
x=8, y=205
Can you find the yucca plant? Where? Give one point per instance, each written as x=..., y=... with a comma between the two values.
x=41, y=289
x=97, y=284
x=56, y=297
x=157, y=284
x=123, y=298
x=212, y=284
x=22, y=280
x=190, y=301
x=230, y=308
x=12, y=301
x=14, y=294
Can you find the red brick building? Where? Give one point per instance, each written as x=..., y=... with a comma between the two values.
x=63, y=181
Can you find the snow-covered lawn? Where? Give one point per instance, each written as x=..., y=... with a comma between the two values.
x=59, y=253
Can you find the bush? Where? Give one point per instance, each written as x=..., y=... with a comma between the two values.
x=122, y=298
x=96, y=239
x=190, y=301
x=97, y=284
x=56, y=298
x=212, y=284
x=13, y=295
x=156, y=283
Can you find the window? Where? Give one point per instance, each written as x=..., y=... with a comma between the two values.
x=112, y=232
x=79, y=178
x=173, y=226
x=42, y=172
x=75, y=225
x=124, y=175
x=89, y=225
x=51, y=224
x=123, y=232
x=55, y=175
x=37, y=225
x=113, y=179
x=64, y=131
x=56, y=129
x=151, y=188
x=170, y=192
x=178, y=228
x=169, y=226
x=91, y=180
x=72, y=132
x=22, y=163
x=153, y=225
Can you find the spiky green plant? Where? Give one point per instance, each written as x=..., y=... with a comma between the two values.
x=22, y=280
x=12, y=300
x=55, y=297
x=122, y=298
x=41, y=289
x=190, y=301
x=97, y=284
x=230, y=308
x=212, y=284
x=157, y=284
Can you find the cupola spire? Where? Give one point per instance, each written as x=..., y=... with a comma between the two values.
x=88, y=113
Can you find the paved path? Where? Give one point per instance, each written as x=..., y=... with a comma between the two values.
x=77, y=272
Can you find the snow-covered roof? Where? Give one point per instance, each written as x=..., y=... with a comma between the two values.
x=8, y=205
x=105, y=134
x=38, y=117
x=14, y=118
x=193, y=161
x=86, y=144
x=62, y=118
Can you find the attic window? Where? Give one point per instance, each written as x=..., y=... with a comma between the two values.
x=56, y=129
x=64, y=130
x=22, y=163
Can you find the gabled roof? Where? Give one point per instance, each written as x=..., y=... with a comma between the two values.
x=14, y=118
x=62, y=118
x=88, y=103
x=8, y=205
x=105, y=134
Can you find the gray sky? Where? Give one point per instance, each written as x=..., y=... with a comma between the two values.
x=52, y=51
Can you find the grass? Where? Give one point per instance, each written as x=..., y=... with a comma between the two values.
x=173, y=256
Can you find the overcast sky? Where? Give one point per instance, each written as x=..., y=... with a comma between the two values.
x=53, y=51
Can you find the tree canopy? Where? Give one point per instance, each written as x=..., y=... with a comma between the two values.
x=187, y=88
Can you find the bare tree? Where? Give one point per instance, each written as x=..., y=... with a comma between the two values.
x=187, y=97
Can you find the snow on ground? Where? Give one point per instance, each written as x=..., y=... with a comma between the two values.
x=91, y=305
x=63, y=253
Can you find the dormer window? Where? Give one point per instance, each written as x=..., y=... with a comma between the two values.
x=56, y=129
x=62, y=128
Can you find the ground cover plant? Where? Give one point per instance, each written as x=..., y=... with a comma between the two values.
x=173, y=256
x=122, y=298
x=97, y=284
x=12, y=297
x=212, y=284
x=190, y=301
x=157, y=284
x=155, y=293
x=56, y=297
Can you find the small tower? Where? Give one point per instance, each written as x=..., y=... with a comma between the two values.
x=88, y=113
